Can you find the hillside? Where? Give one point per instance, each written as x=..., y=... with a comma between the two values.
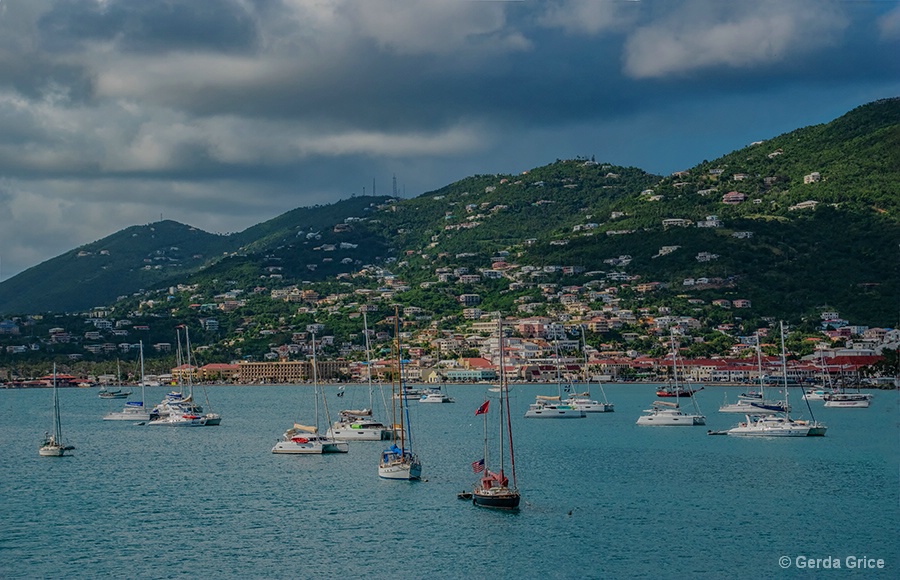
x=803, y=221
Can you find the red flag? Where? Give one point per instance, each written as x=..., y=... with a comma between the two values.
x=478, y=466
x=483, y=408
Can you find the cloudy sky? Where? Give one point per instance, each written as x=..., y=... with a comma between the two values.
x=224, y=113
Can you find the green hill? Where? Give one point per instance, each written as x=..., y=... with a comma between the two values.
x=789, y=243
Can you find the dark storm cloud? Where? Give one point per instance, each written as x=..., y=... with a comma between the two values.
x=149, y=26
x=223, y=113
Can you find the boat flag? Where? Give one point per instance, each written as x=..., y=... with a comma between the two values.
x=478, y=466
x=483, y=408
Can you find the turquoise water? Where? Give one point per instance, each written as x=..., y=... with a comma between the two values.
x=602, y=498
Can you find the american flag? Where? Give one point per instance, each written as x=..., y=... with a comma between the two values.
x=478, y=466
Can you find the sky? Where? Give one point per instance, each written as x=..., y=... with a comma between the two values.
x=222, y=114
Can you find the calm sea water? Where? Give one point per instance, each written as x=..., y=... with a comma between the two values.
x=603, y=498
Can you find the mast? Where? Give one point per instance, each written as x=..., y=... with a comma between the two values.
x=405, y=431
x=504, y=392
x=762, y=388
x=500, y=327
x=784, y=372
x=368, y=357
x=187, y=348
x=315, y=379
x=57, y=427
x=143, y=396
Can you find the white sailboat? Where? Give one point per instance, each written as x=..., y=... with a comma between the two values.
x=399, y=462
x=305, y=439
x=550, y=407
x=780, y=425
x=494, y=489
x=359, y=424
x=134, y=410
x=582, y=401
x=756, y=403
x=668, y=414
x=52, y=445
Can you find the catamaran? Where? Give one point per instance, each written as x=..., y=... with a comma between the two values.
x=666, y=413
x=305, y=439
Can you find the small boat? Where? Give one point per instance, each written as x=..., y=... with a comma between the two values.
x=399, y=462
x=435, y=396
x=815, y=394
x=52, y=445
x=359, y=424
x=848, y=400
x=546, y=407
x=770, y=426
x=679, y=393
x=113, y=394
x=669, y=414
x=494, y=489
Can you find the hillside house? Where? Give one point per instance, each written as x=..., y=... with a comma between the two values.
x=734, y=198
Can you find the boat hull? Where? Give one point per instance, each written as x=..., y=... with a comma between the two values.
x=853, y=404
x=503, y=499
x=405, y=471
x=554, y=413
x=127, y=416
x=672, y=421
x=52, y=451
x=350, y=434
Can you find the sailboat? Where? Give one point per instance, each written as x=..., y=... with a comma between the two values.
x=841, y=399
x=549, y=407
x=666, y=413
x=305, y=439
x=134, y=410
x=583, y=401
x=780, y=425
x=755, y=403
x=494, y=490
x=107, y=393
x=399, y=461
x=359, y=424
x=52, y=445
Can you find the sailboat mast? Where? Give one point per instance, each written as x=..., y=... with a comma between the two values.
x=57, y=426
x=315, y=379
x=784, y=372
x=504, y=393
x=500, y=328
x=143, y=385
x=190, y=369
x=368, y=358
x=405, y=431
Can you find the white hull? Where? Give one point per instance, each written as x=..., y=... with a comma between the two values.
x=176, y=421
x=52, y=451
x=553, y=412
x=401, y=471
x=745, y=408
x=672, y=420
x=772, y=427
x=310, y=446
x=859, y=404
x=128, y=415
x=350, y=434
x=799, y=431
x=435, y=398
x=594, y=407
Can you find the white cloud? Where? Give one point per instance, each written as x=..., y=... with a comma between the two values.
x=587, y=16
x=702, y=34
x=889, y=25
